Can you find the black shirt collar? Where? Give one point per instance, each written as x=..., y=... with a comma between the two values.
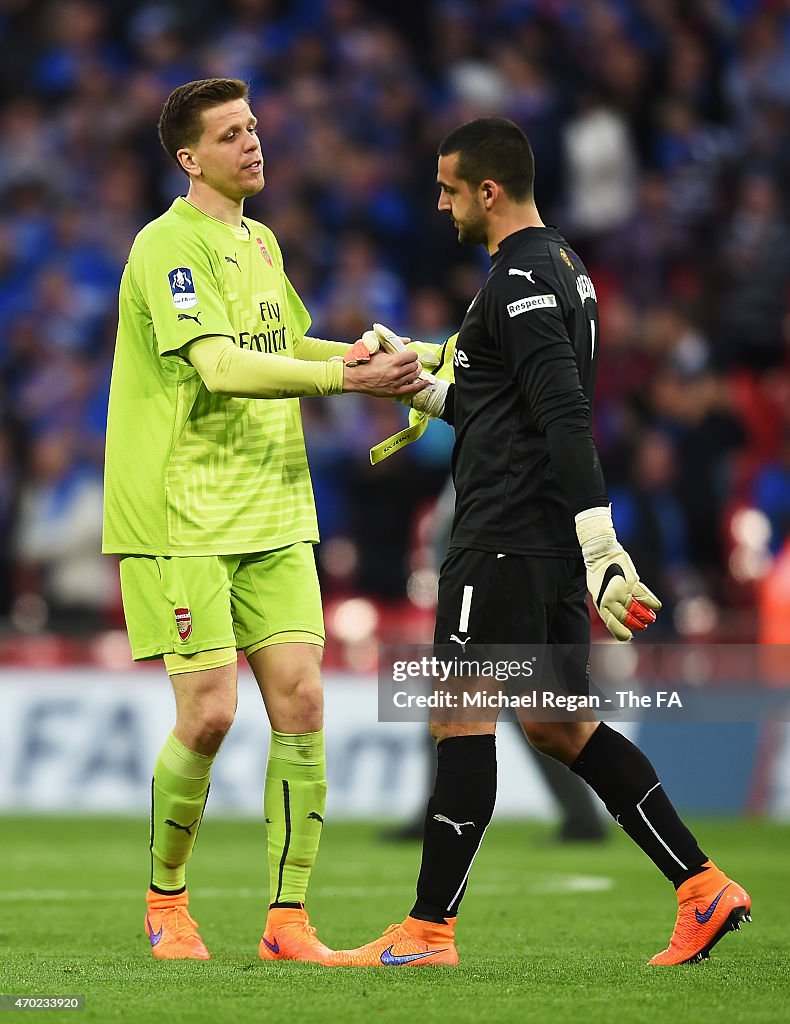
x=512, y=242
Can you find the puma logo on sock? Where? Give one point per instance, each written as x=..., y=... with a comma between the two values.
x=184, y=828
x=457, y=825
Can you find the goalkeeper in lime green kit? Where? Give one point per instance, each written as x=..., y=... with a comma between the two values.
x=209, y=504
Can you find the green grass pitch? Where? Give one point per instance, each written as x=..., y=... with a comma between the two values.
x=548, y=932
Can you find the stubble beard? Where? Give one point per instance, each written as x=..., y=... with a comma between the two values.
x=473, y=230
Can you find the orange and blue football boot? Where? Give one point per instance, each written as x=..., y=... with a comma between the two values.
x=173, y=934
x=710, y=905
x=413, y=943
x=288, y=935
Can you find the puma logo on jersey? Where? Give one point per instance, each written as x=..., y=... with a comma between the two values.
x=515, y=272
x=188, y=316
x=585, y=288
x=231, y=259
x=457, y=825
x=458, y=640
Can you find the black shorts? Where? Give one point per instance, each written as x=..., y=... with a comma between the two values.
x=490, y=599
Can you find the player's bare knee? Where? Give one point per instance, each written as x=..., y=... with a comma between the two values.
x=308, y=706
x=298, y=706
x=211, y=725
x=547, y=738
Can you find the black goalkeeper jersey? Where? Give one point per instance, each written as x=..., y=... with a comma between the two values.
x=524, y=460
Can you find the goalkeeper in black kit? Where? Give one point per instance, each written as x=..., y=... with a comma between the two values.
x=532, y=534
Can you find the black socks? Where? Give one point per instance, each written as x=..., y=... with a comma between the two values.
x=459, y=812
x=626, y=781
x=462, y=803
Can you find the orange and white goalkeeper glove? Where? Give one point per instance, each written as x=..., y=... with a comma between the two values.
x=360, y=351
x=623, y=601
x=431, y=399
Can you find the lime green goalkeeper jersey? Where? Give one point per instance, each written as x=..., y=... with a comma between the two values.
x=188, y=472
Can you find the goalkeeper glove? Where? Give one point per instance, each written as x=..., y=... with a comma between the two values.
x=360, y=351
x=431, y=399
x=623, y=601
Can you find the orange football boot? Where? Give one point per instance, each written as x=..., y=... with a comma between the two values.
x=288, y=935
x=173, y=934
x=710, y=905
x=410, y=944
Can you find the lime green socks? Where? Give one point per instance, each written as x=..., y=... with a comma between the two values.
x=178, y=796
x=294, y=799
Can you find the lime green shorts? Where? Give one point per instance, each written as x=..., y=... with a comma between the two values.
x=188, y=605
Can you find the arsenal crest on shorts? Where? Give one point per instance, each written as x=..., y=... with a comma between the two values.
x=183, y=622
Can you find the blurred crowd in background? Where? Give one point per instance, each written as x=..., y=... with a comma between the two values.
x=661, y=131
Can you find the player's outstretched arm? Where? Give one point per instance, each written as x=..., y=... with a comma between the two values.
x=241, y=373
x=234, y=372
x=623, y=601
